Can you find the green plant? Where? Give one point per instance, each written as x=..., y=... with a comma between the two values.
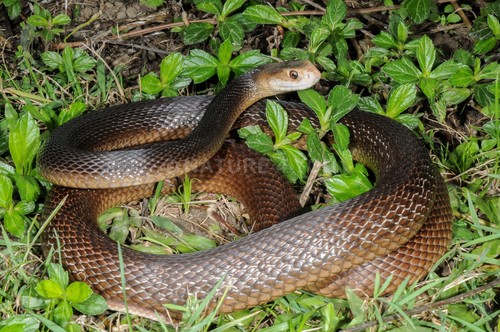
x=49, y=26
x=58, y=297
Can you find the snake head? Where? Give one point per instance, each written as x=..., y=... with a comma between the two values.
x=276, y=78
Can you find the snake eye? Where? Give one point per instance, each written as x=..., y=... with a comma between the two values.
x=293, y=74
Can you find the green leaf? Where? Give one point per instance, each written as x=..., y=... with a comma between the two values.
x=52, y=59
x=200, y=65
x=223, y=72
x=63, y=312
x=410, y=121
x=402, y=32
x=428, y=87
x=342, y=101
x=314, y=100
x=484, y=46
x=58, y=274
x=278, y=120
x=94, y=305
x=6, y=190
x=28, y=187
x=314, y=147
x=385, y=40
x=400, y=99
x=170, y=67
x=24, y=141
x=462, y=78
x=37, y=21
x=49, y=289
x=455, y=96
x=151, y=84
x=247, y=61
x=418, y=10
x=370, y=104
x=75, y=109
x=61, y=19
x=196, y=33
x=402, y=71
x=261, y=143
x=225, y=52
x=232, y=31
x=262, y=14
x=83, y=62
x=346, y=186
x=489, y=72
x=426, y=55
x=318, y=36
x=335, y=13
x=445, y=70
x=210, y=6
x=297, y=161
x=341, y=136
x=494, y=25
x=14, y=222
x=195, y=243
x=78, y=292
x=231, y=6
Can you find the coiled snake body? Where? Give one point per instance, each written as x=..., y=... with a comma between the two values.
x=399, y=228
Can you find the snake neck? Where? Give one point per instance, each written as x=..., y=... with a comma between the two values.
x=225, y=108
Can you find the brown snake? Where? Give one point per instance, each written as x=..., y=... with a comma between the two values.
x=399, y=228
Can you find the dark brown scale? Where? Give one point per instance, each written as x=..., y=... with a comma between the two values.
x=399, y=228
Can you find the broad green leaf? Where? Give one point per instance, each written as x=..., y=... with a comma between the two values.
x=49, y=289
x=484, y=96
x=24, y=141
x=63, y=312
x=346, y=186
x=21, y=323
x=151, y=84
x=291, y=39
x=489, y=72
x=83, y=63
x=370, y=104
x=318, y=36
x=314, y=147
x=6, y=190
x=262, y=14
x=342, y=101
x=37, y=21
x=445, y=70
x=278, y=120
x=341, y=136
x=410, y=121
x=297, y=161
x=426, y=55
x=428, y=87
x=61, y=19
x=231, y=6
x=314, y=100
x=232, y=31
x=455, y=96
x=58, y=274
x=210, y=6
x=225, y=52
x=14, y=222
x=385, y=40
x=402, y=32
x=200, y=65
x=170, y=67
x=335, y=13
x=28, y=187
x=75, y=109
x=196, y=33
x=94, y=305
x=402, y=71
x=195, y=243
x=78, y=292
x=484, y=46
x=52, y=59
x=462, y=78
x=261, y=143
x=400, y=99
x=418, y=10
x=223, y=72
x=494, y=25
x=248, y=60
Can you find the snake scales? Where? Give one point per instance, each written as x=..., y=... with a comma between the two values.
x=399, y=228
